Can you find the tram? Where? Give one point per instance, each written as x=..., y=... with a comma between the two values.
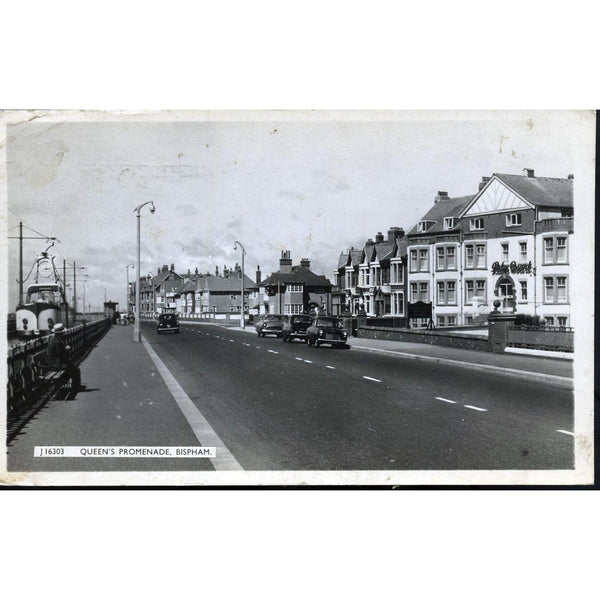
x=42, y=306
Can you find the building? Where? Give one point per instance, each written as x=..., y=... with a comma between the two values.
x=510, y=242
x=222, y=294
x=373, y=279
x=294, y=289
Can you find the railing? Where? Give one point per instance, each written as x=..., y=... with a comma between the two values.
x=542, y=338
x=21, y=386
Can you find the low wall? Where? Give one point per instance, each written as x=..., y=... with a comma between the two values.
x=21, y=384
x=435, y=338
x=542, y=338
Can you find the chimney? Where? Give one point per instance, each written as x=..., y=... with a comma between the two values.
x=196, y=270
x=285, y=262
x=158, y=271
x=217, y=271
x=379, y=237
x=237, y=267
x=441, y=196
x=172, y=267
x=225, y=271
x=571, y=176
x=305, y=263
x=165, y=268
x=258, y=274
x=189, y=272
x=530, y=173
x=395, y=233
x=484, y=180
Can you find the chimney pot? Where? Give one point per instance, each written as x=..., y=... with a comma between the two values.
x=571, y=176
x=530, y=173
x=441, y=196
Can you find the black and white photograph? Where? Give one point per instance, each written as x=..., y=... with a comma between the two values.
x=299, y=297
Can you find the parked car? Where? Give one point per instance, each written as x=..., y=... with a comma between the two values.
x=295, y=326
x=270, y=324
x=167, y=322
x=327, y=330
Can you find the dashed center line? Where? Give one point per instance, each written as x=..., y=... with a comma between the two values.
x=372, y=379
x=475, y=408
x=328, y=367
x=298, y=358
x=445, y=400
x=308, y=361
x=565, y=432
x=246, y=344
x=232, y=340
x=273, y=352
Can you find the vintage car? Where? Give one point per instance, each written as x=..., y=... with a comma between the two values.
x=327, y=330
x=270, y=324
x=295, y=326
x=167, y=322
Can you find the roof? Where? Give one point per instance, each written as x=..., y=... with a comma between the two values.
x=384, y=250
x=452, y=207
x=188, y=286
x=226, y=284
x=540, y=191
x=298, y=275
x=343, y=260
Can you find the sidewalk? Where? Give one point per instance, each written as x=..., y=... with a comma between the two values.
x=549, y=370
x=125, y=403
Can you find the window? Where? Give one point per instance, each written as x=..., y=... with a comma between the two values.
x=397, y=273
x=423, y=260
x=505, y=252
x=555, y=250
x=293, y=309
x=451, y=320
x=441, y=321
x=449, y=222
x=420, y=323
x=475, y=256
x=566, y=212
x=419, y=260
x=562, y=321
x=419, y=292
x=549, y=321
x=523, y=251
x=294, y=287
x=474, y=287
x=446, y=258
x=523, y=290
x=513, y=219
x=446, y=292
x=555, y=290
x=398, y=303
x=476, y=224
x=424, y=226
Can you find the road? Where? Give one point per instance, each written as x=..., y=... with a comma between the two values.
x=287, y=406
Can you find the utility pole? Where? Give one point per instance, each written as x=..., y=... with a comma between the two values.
x=65, y=293
x=20, y=262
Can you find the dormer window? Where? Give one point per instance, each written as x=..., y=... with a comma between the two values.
x=424, y=226
x=513, y=219
x=476, y=224
x=449, y=222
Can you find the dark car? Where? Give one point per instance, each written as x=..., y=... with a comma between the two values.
x=167, y=322
x=327, y=330
x=295, y=326
x=270, y=324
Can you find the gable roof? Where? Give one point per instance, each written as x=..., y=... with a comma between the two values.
x=226, y=284
x=540, y=191
x=384, y=250
x=452, y=207
x=343, y=260
x=297, y=275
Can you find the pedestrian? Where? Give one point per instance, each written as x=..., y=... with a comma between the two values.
x=57, y=355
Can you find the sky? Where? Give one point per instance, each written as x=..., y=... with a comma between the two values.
x=314, y=183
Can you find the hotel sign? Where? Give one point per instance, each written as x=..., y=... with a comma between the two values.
x=514, y=267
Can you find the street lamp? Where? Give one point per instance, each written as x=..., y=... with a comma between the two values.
x=127, y=292
x=137, y=336
x=242, y=317
x=84, y=286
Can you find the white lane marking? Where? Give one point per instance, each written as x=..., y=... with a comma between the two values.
x=372, y=379
x=328, y=367
x=246, y=344
x=273, y=352
x=564, y=431
x=475, y=408
x=232, y=340
x=445, y=400
x=308, y=361
x=206, y=435
x=298, y=358
x=258, y=346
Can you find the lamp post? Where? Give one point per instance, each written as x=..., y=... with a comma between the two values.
x=137, y=336
x=127, y=292
x=84, y=286
x=242, y=311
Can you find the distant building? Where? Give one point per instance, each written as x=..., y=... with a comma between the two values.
x=294, y=289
